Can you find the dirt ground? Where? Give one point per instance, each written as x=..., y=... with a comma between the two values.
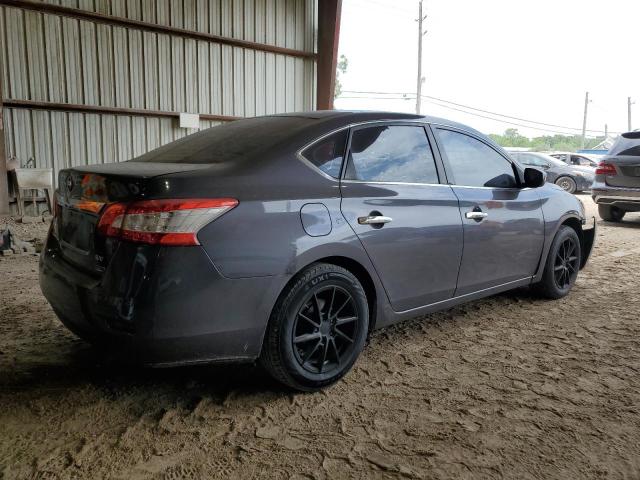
x=507, y=387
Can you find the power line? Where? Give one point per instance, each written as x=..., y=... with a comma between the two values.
x=465, y=111
x=508, y=122
x=480, y=110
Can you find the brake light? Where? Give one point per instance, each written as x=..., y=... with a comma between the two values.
x=163, y=222
x=605, y=168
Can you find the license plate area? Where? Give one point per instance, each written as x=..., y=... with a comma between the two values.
x=77, y=228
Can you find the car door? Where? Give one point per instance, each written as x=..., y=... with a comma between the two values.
x=503, y=224
x=407, y=221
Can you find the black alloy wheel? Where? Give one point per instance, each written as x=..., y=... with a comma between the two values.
x=566, y=263
x=561, y=265
x=325, y=329
x=317, y=328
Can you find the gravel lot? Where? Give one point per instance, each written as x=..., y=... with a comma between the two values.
x=506, y=387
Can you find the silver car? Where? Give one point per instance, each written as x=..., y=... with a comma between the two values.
x=616, y=189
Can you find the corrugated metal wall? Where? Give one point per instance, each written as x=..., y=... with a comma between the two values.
x=52, y=58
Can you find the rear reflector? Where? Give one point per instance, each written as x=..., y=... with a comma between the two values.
x=164, y=222
x=605, y=168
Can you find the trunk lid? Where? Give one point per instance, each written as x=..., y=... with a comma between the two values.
x=81, y=196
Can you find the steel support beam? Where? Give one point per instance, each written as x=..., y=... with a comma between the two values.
x=4, y=184
x=329, y=12
x=82, y=108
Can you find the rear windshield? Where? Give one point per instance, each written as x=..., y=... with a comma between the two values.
x=237, y=140
x=626, y=144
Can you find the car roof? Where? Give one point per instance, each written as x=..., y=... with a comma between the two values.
x=339, y=118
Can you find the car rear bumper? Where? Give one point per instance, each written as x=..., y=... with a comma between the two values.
x=160, y=305
x=623, y=197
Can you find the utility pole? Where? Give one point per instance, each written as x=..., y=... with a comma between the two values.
x=606, y=131
x=584, y=121
x=629, y=103
x=421, y=19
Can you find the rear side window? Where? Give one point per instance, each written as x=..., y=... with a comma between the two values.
x=327, y=154
x=392, y=153
x=473, y=163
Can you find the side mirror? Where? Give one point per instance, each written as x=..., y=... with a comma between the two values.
x=534, y=178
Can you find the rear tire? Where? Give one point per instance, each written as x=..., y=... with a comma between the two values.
x=568, y=184
x=561, y=266
x=317, y=328
x=609, y=213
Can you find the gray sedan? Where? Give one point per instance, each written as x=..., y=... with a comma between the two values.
x=571, y=178
x=287, y=239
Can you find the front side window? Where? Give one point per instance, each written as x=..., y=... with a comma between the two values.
x=473, y=163
x=391, y=153
x=327, y=154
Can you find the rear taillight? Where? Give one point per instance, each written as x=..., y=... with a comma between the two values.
x=164, y=222
x=605, y=168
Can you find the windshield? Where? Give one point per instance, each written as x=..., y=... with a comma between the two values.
x=232, y=141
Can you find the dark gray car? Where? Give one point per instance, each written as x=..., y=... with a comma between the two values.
x=571, y=178
x=617, y=186
x=287, y=239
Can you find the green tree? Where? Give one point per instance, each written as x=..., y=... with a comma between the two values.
x=567, y=143
x=343, y=64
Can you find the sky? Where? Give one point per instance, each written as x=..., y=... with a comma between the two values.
x=531, y=59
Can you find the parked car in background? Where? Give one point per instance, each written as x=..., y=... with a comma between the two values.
x=286, y=239
x=571, y=178
x=616, y=189
x=575, y=159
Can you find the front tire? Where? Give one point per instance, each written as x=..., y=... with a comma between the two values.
x=317, y=328
x=609, y=213
x=562, y=265
x=568, y=184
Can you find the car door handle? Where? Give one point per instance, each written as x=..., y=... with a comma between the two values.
x=374, y=220
x=476, y=215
